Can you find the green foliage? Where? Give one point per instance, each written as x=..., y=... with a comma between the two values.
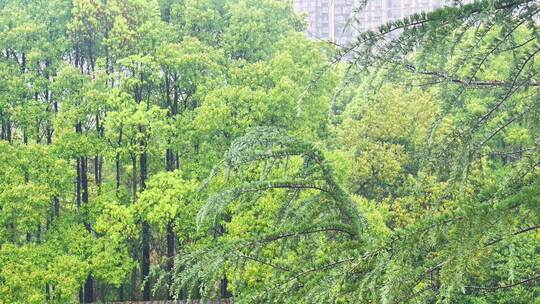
x=207, y=149
x=170, y=198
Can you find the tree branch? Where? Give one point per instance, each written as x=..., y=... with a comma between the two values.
x=495, y=288
x=475, y=83
x=515, y=233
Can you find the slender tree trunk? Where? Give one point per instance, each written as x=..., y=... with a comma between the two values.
x=145, y=234
x=48, y=292
x=134, y=176
x=78, y=183
x=170, y=160
x=84, y=182
x=117, y=165
x=84, y=292
x=8, y=131
x=38, y=122
x=96, y=171
x=82, y=198
x=38, y=135
x=56, y=201
x=170, y=258
x=170, y=233
x=224, y=284
x=224, y=293
x=89, y=284
x=38, y=234
x=117, y=162
x=145, y=262
x=133, y=290
x=171, y=165
x=121, y=296
x=23, y=63
x=89, y=289
x=56, y=207
x=2, y=127
x=97, y=158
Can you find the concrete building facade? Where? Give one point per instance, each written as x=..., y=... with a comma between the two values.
x=327, y=19
x=331, y=19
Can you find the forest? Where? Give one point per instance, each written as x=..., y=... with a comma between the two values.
x=207, y=149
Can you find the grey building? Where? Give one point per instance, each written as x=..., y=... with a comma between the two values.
x=331, y=19
x=327, y=19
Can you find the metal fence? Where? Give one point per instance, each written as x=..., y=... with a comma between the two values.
x=222, y=301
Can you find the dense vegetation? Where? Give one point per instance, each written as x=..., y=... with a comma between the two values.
x=207, y=149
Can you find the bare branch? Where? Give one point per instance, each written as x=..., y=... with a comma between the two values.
x=495, y=288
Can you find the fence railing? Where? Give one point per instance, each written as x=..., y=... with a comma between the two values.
x=222, y=301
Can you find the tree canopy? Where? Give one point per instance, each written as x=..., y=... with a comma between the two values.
x=206, y=149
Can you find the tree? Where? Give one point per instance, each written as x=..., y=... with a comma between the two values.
x=280, y=233
x=207, y=149
x=453, y=195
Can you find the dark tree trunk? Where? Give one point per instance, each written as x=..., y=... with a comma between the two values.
x=38, y=135
x=49, y=134
x=82, y=198
x=38, y=122
x=89, y=284
x=145, y=233
x=56, y=207
x=145, y=262
x=38, y=234
x=89, y=290
x=97, y=158
x=117, y=162
x=84, y=179
x=79, y=174
x=170, y=233
x=3, y=130
x=170, y=258
x=224, y=293
x=170, y=160
x=8, y=131
x=78, y=182
x=23, y=63
x=121, y=296
x=134, y=175
x=48, y=96
x=97, y=173
x=171, y=165
x=133, y=290
x=48, y=292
